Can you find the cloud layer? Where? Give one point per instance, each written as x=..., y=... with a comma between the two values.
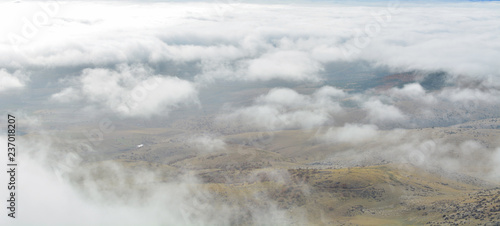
x=252, y=42
x=10, y=81
x=283, y=108
x=129, y=91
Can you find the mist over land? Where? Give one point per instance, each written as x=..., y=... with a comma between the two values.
x=248, y=113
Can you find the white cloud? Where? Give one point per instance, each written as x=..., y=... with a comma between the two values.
x=255, y=42
x=412, y=92
x=10, y=81
x=207, y=143
x=379, y=112
x=496, y=162
x=67, y=95
x=283, y=96
x=283, y=108
x=464, y=95
x=130, y=91
x=350, y=133
x=287, y=65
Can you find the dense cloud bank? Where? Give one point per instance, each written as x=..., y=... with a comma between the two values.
x=252, y=41
x=237, y=41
